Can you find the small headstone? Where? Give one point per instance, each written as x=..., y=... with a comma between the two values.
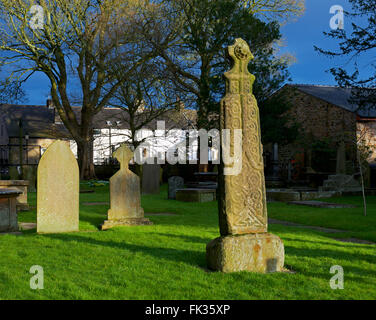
x=151, y=177
x=58, y=190
x=174, y=183
x=125, y=197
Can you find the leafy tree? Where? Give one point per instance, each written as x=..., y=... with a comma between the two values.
x=276, y=125
x=196, y=61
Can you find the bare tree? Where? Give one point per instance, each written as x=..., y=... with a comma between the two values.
x=282, y=10
x=11, y=91
x=80, y=42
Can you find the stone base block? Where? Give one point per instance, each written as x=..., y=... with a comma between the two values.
x=263, y=252
x=282, y=195
x=108, y=224
x=196, y=195
x=23, y=207
x=8, y=212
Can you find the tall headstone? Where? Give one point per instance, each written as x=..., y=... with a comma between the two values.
x=341, y=158
x=244, y=244
x=58, y=190
x=151, y=178
x=174, y=183
x=125, y=197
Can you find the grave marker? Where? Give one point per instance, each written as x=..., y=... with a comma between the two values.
x=125, y=198
x=244, y=244
x=58, y=190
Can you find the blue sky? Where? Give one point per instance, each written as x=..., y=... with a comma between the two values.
x=307, y=31
x=299, y=39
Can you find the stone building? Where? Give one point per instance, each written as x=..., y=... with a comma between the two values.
x=326, y=116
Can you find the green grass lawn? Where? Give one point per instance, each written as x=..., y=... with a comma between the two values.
x=351, y=220
x=167, y=260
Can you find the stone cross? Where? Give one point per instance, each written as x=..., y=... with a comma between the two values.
x=124, y=155
x=125, y=197
x=58, y=190
x=244, y=244
x=243, y=205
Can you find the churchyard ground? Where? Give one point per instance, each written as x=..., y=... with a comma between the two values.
x=167, y=260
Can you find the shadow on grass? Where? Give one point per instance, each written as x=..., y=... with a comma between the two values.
x=316, y=254
x=186, y=238
x=339, y=244
x=190, y=257
x=197, y=258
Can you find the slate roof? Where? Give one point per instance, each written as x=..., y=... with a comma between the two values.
x=38, y=121
x=338, y=96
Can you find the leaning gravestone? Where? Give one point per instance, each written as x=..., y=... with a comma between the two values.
x=125, y=198
x=174, y=183
x=151, y=177
x=244, y=244
x=58, y=190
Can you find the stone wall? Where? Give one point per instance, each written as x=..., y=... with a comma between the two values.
x=36, y=146
x=366, y=132
x=318, y=121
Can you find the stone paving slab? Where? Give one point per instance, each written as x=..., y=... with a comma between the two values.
x=355, y=240
x=159, y=214
x=321, y=204
x=27, y=225
x=321, y=229
x=293, y=224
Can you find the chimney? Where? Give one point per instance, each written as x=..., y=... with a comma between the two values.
x=50, y=104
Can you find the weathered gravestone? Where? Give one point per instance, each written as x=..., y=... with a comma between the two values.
x=341, y=182
x=151, y=177
x=8, y=212
x=125, y=198
x=19, y=185
x=174, y=183
x=244, y=244
x=58, y=190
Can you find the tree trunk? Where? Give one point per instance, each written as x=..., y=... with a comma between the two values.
x=85, y=160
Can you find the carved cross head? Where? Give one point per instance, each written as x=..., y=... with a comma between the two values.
x=239, y=80
x=240, y=51
x=123, y=154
